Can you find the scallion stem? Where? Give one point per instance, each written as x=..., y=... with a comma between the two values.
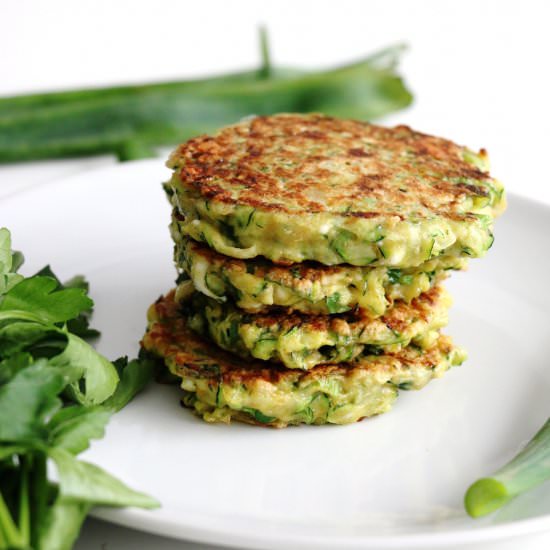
x=531, y=467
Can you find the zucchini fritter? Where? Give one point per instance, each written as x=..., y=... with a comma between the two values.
x=221, y=387
x=301, y=341
x=296, y=187
x=258, y=285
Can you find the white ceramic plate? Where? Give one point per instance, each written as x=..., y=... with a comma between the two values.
x=395, y=481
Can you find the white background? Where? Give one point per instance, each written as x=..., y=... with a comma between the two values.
x=478, y=70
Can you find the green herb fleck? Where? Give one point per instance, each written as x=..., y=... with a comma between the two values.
x=334, y=305
x=259, y=416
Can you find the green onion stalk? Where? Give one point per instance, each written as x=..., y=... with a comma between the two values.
x=131, y=121
x=530, y=468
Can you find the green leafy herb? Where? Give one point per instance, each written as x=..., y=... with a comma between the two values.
x=39, y=296
x=27, y=400
x=98, y=377
x=82, y=481
x=134, y=376
x=531, y=467
x=56, y=394
x=73, y=427
x=79, y=325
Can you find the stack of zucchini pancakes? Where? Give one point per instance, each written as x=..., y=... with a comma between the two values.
x=311, y=252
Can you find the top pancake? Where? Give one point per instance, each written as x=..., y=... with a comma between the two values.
x=347, y=191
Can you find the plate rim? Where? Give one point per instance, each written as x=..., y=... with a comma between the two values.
x=148, y=522
x=144, y=521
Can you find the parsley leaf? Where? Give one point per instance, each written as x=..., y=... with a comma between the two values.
x=27, y=401
x=99, y=377
x=57, y=393
x=73, y=427
x=134, y=376
x=86, y=482
x=39, y=295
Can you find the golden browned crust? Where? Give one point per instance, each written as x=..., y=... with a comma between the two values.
x=192, y=356
x=314, y=163
x=306, y=271
x=398, y=318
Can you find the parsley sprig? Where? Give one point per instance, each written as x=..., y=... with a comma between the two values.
x=56, y=394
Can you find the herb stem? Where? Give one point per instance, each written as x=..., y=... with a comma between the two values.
x=24, y=516
x=8, y=527
x=39, y=484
